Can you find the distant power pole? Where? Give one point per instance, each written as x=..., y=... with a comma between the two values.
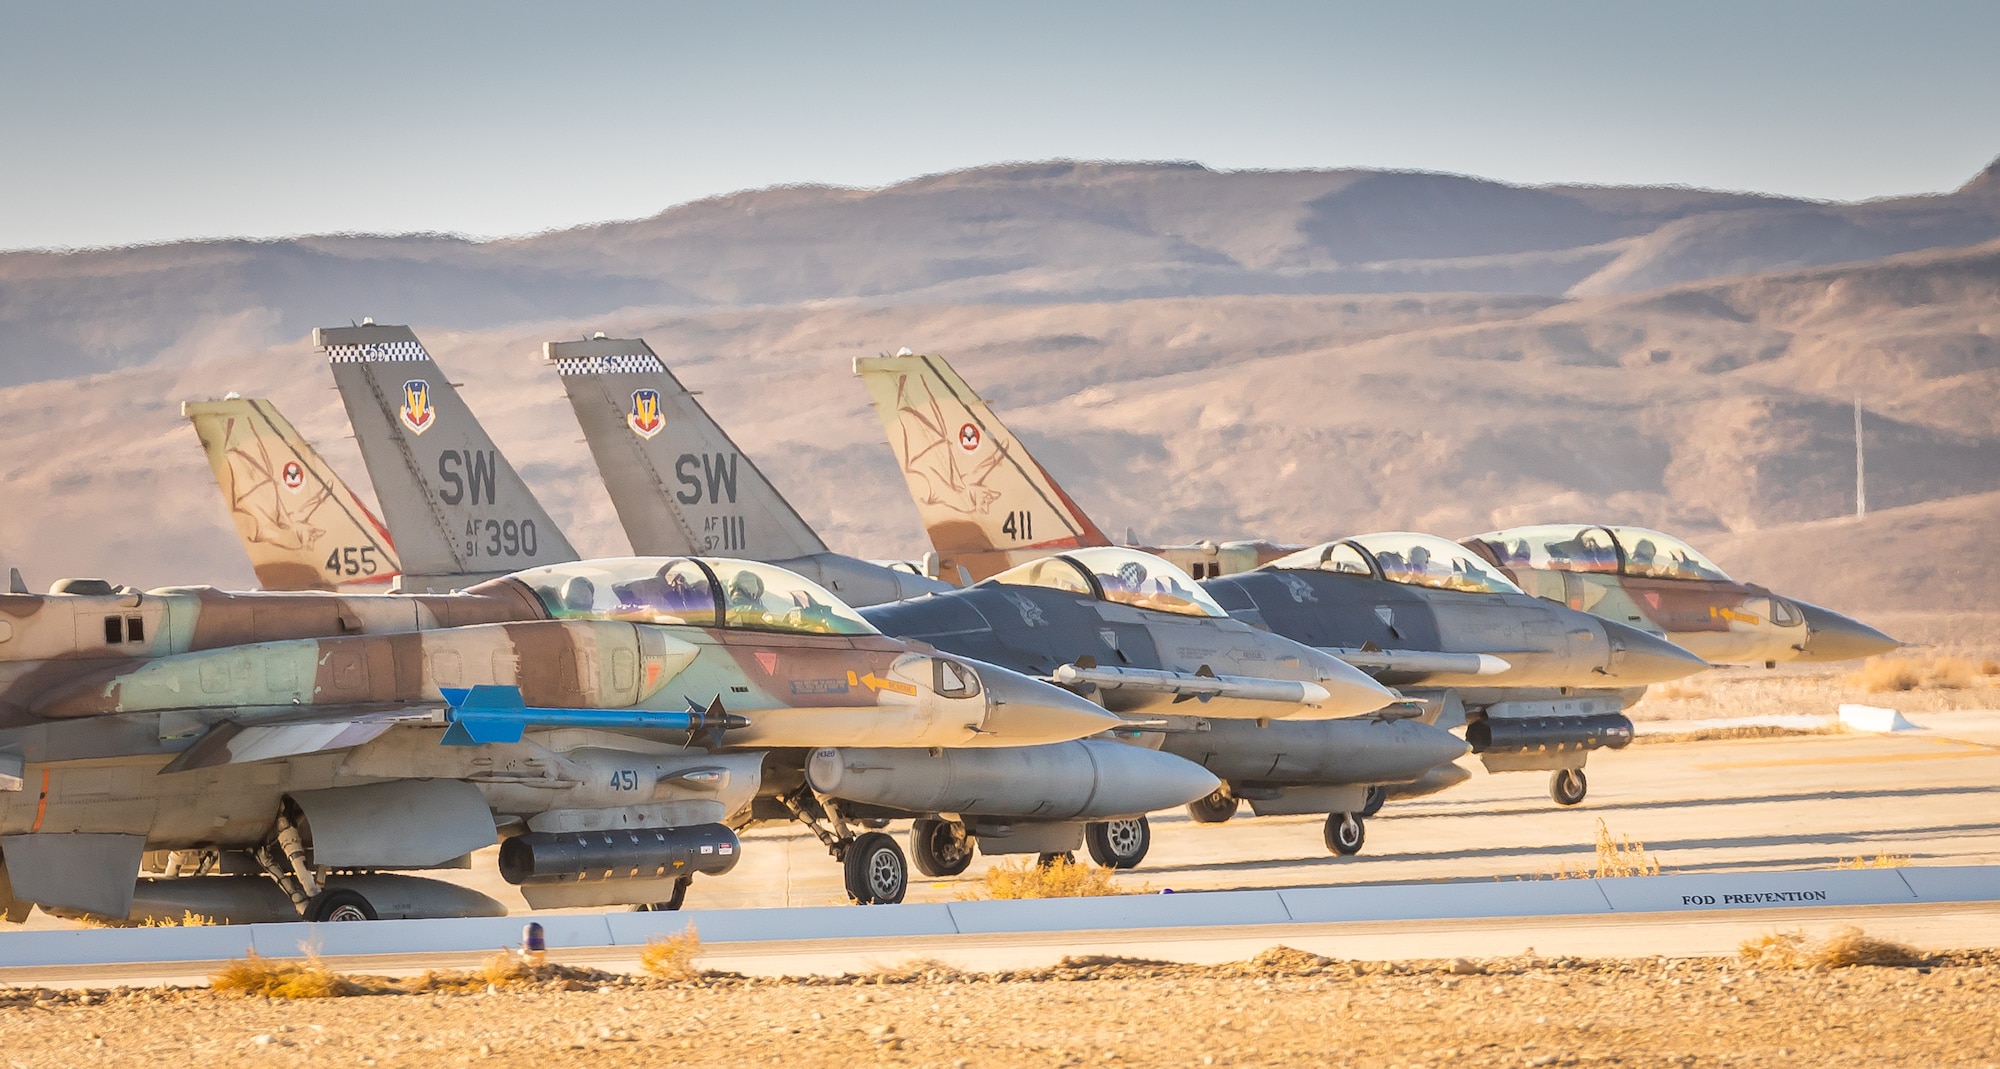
x=1860, y=465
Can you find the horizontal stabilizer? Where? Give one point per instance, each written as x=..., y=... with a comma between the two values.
x=486, y=715
x=1421, y=662
x=1195, y=684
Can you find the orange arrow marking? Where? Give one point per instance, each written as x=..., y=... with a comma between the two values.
x=878, y=684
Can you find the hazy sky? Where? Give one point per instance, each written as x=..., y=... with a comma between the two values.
x=151, y=121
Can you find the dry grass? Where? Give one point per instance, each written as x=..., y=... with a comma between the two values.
x=1063, y=878
x=1847, y=947
x=1879, y=861
x=1892, y=673
x=1746, y=731
x=271, y=978
x=672, y=957
x=1623, y=856
x=187, y=919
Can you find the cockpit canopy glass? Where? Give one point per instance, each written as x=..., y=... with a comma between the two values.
x=1402, y=557
x=705, y=592
x=1114, y=573
x=1634, y=551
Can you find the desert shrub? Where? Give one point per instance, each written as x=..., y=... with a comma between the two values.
x=1889, y=674
x=1623, y=856
x=671, y=957
x=271, y=978
x=1847, y=947
x=1061, y=878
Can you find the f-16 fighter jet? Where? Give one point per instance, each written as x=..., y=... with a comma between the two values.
x=300, y=524
x=984, y=501
x=1540, y=684
x=304, y=738
x=1123, y=782
x=1120, y=624
x=1662, y=585
x=681, y=486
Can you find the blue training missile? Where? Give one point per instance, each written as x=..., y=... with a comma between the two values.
x=488, y=714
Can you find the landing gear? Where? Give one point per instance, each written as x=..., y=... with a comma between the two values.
x=1344, y=833
x=1049, y=858
x=674, y=901
x=1377, y=794
x=1568, y=786
x=1118, y=844
x=876, y=871
x=339, y=904
x=1213, y=808
x=940, y=847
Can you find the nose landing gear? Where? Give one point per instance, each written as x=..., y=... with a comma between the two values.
x=1567, y=786
x=1345, y=833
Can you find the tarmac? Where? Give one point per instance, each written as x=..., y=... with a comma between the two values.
x=1929, y=797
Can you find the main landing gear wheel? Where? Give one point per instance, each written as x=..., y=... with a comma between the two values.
x=1044, y=860
x=1345, y=833
x=940, y=847
x=339, y=904
x=1118, y=844
x=674, y=902
x=1373, y=805
x=876, y=872
x=1214, y=807
x=1568, y=786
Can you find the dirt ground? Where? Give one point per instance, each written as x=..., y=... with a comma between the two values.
x=1284, y=1008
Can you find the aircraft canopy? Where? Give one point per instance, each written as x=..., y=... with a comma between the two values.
x=1116, y=573
x=1402, y=557
x=1633, y=551
x=697, y=591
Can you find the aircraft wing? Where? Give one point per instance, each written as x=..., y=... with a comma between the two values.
x=329, y=728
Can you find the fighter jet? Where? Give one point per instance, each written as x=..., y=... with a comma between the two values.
x=681, y=486
x=613, y=720
x=300, y=524
x=1122, y=625
x=984, y=501
x=1427, y=617
x=1662, y=585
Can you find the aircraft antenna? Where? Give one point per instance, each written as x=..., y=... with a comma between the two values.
x=1860, y=465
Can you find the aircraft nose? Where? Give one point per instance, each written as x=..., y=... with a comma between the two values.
x=1638, y=658
x=1833, y=637
x=1027, y=712
x=1350, y=691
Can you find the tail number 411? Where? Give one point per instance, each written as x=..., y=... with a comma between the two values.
x=1019, y=525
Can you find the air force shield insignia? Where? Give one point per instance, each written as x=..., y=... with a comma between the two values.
x=417, y=413
x=645, y=419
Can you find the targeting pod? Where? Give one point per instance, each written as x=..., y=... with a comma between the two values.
x=1548, y=734
x=601, y=857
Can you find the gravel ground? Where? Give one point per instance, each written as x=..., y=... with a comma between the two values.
x=1283, y=1008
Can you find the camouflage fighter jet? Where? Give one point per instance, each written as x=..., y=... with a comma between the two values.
x=1660, y=584
x=985, y=503
x=1123, y=625
x=300, y=524
x=1430, y=618
x=681, y=486
x=296, y=747
x=1537, y=685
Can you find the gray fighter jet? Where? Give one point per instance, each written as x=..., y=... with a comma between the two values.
x=1127, y=627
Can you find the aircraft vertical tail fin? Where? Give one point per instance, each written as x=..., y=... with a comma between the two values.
x=680, y=485
x=983, y=499
x=459, y=510
x=301, y=525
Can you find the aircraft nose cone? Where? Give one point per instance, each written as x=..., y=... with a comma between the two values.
x=1638, y=658
x=1026, y=712
x=1350, y=691
x=1833, y=637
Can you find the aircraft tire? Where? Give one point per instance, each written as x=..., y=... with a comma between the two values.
x=1377, y=794
x=939, y=847
x=336, y=904
x=1215, y=807
x=1118, y=844
x=876, y=871
x=673, y=903
x=1345, y=832
x=1044, y=860
x=1568, y=786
